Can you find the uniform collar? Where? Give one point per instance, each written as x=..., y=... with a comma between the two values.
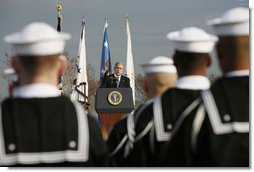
x=237, y=73
x=37, y=90
x=194, y=82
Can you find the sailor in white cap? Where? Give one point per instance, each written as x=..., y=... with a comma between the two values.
x=216, y=133
x=158, y=120
x=160, y=74
x=39, y=127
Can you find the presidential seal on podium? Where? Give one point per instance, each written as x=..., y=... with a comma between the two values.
x=115, y=98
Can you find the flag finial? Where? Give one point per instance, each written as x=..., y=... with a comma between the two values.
x=83, y=20
x=59, y=7
x=106, y=23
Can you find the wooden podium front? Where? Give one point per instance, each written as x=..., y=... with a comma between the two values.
x=112, y=104
x=108, y=120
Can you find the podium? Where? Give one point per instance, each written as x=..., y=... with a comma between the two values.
x=112, y=104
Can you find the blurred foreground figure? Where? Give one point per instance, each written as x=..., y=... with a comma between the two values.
x=160, y=74
x=38, y=126
x=155, y=123
x=216, y=133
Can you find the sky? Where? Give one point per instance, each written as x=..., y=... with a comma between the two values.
x=150, y=21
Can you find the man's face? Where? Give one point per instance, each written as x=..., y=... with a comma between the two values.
x=118, y=69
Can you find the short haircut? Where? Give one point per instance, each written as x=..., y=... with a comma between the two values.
x=189, y=61
x=157, y=83
x=233, y=52
x=230, y=45
x=33, y=65
x=118, y=63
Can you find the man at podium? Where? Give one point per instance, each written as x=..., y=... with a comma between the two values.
x=116, y=80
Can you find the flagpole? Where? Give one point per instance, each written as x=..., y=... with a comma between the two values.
x=85, y=97
x=106, y=24
x=85, y=84
x=59, y=8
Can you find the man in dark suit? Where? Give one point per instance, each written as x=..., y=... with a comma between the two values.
x=116, y=80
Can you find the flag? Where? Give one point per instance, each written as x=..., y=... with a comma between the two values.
x=105, y=68
x=129, y=60
x=80, y=84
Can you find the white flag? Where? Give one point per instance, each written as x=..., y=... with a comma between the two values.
x=80, y=84
x=129, y=60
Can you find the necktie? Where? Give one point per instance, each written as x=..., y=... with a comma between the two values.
x=117, y=81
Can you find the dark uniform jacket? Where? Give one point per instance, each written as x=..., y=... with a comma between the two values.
x=110, y=82
x=49, y=132
x=216, y=133
x=155, y=124
x=121, y=137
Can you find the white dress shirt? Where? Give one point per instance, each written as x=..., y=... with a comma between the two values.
x=119, y=79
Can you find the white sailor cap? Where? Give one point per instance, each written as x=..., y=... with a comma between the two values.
x=38, y=39
x=234, y=22
x=192, y=39
x=160, y=64
x=11, y=74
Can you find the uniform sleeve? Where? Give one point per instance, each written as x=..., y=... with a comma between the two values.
x=116, y=134
x=98, y=148
x=141, y=155
x=116, y=142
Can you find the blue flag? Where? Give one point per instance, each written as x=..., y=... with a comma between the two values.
x=105, y=57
